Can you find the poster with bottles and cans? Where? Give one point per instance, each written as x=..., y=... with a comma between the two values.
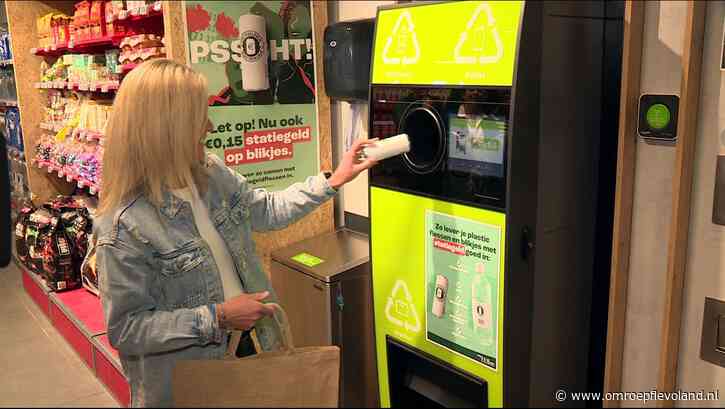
x=463, y=259
x=268, y=133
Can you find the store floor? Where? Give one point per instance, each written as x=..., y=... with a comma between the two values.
x=37, y=366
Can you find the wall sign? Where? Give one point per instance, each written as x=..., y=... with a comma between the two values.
x=269, y=136
x=658, y=117
x=462, y=276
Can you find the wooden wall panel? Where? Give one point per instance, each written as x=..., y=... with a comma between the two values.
x=681, y=196
x=321, y=220
x=624, y=196
x=174, y=32
x=22, y=16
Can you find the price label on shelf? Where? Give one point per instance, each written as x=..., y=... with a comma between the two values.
x=83, y=86
x=104, y=88
x=93, y=86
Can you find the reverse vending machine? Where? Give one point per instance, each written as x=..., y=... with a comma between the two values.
x=483, y=235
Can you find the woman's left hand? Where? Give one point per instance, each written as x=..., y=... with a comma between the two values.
x=351, y=165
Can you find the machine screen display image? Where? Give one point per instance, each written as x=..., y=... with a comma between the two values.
x=477, y=144
x=462, y=279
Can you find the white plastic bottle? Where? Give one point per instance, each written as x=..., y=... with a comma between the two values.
x=481, y=309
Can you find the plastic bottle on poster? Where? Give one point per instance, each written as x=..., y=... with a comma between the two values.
x=255, y=50
x=481, y=305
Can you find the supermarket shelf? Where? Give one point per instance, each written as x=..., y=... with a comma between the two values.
x=140, y=13
x=79, y=47
x=5, y=63
x=87, y=135
x=8, y=103
x=81, y=182
x=86, y=46
x=78, y=133
x=103, y=87
x=51, y=126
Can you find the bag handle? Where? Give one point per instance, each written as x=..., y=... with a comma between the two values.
x=282, y=321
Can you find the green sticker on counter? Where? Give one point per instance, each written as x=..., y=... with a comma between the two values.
x=308, y=259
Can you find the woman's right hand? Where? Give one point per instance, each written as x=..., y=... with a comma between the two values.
x=243, y=311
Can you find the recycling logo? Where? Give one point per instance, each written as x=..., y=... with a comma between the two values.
x=402, y=45
x=480, y=36
x=400, y=309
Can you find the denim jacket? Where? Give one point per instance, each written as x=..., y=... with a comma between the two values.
x=159, y=282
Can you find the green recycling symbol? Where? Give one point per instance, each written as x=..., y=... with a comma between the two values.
x=402, y=44
x=480, y=33
x=400, y=310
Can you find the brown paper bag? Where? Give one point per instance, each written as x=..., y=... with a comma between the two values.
x=291, y=377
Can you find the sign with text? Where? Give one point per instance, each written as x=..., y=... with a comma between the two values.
x=269, y=136
x=477, y=46
x=462, y=276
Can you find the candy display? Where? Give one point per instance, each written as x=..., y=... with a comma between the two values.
x=139, y=48
x=61, y=108
x=52, y=241
x=91, y=20
x=73, y=151
x=83, y=68
x=75, y=161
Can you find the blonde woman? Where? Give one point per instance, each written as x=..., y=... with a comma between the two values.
x=177, y=263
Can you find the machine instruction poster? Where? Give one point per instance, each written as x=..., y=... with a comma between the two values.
x=269, y=136
x=462, y=286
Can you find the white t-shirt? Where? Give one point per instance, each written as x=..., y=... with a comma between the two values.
x=231, y=283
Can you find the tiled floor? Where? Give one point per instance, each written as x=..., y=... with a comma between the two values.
x=37, y=366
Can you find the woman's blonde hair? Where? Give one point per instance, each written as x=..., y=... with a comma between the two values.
x=159, y=117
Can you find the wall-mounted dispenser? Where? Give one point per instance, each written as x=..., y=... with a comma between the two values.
x=348, y=46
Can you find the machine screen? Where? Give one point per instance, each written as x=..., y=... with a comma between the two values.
x=476, y=144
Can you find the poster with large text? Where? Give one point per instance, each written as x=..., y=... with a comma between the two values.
x=269, y=136
x=462, y=286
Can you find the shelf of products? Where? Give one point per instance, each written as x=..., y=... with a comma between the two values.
x=96, y=25
x=6, y=63
x=95, y=47
x=139, y=12
x=103, y=86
